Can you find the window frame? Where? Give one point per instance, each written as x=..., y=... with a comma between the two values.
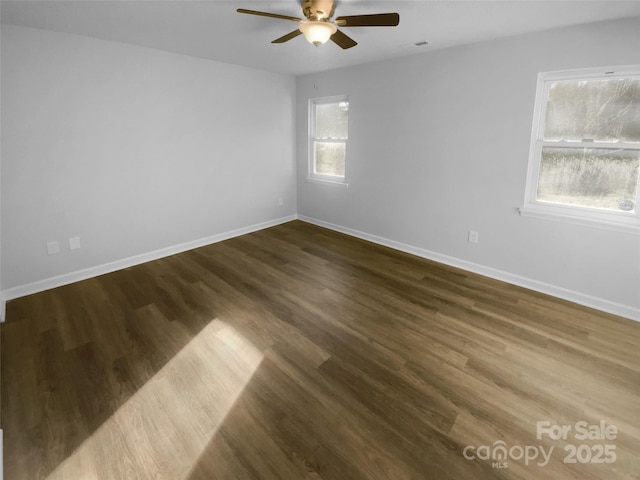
x=312, y=175
x=610, y=219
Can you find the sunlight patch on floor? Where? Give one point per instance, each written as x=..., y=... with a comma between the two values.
x=161, y=431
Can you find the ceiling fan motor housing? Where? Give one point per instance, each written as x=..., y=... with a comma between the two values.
x=318, y=9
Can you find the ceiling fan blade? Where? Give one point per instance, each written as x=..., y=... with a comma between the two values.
x=342, y=40
x=287, y=37
x=375, y=20
x=267, y=14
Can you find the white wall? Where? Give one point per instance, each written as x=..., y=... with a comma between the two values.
x=439, y=145
x=133, y=150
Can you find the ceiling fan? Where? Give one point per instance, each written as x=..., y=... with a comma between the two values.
x=318, y=27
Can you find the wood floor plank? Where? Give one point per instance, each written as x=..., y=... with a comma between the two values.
x=297, y=352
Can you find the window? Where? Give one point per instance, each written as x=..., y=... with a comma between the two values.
x=584, y=162
x=329, y=128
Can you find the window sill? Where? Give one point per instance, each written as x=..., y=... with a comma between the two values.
x=322, y=181
x=605, y=221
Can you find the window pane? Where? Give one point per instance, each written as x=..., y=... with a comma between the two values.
x=606, y=110
x=597, y=178
x=332, y=120
x=329, y=158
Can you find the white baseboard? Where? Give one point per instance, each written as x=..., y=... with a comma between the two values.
x=542, y=287
x=556, y=291
x=72, y=277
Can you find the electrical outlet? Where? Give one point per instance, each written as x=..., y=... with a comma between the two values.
x=473, y=236
x=53, y=247
x=74, y=243
x=280, y=201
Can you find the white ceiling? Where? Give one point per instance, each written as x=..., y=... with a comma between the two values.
x=212, y=29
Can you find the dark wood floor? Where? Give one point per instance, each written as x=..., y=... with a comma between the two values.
x=296, y=352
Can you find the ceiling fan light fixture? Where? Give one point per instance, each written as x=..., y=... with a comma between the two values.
x=317, y=32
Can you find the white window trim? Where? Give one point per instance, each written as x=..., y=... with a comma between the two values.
x=611, y=220
x=318, y=177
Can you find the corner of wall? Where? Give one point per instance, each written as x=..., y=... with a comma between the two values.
x=2, y=299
